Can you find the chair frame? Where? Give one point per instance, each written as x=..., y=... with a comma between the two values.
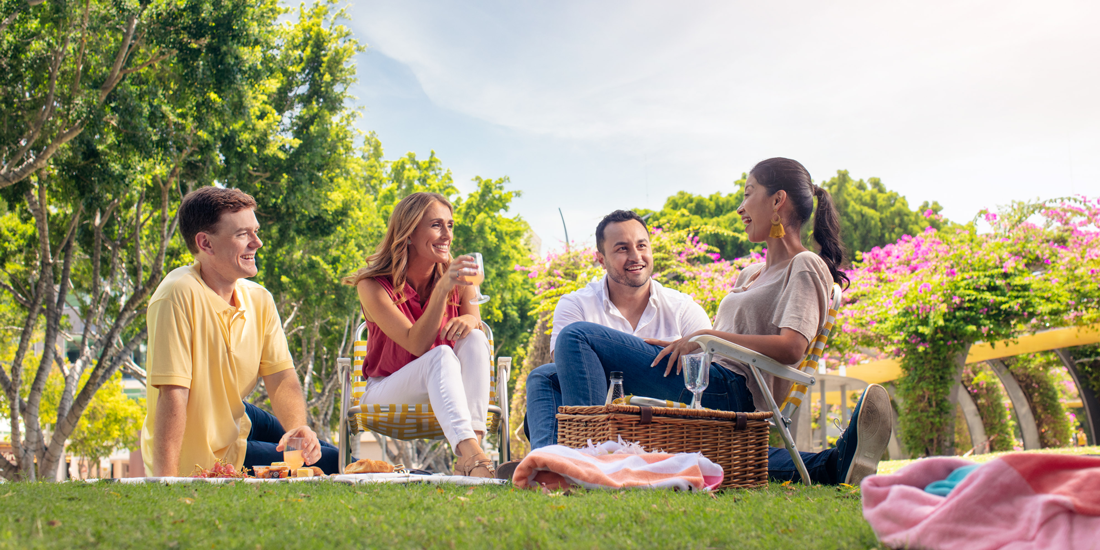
x=803, y=376
x=348, y=411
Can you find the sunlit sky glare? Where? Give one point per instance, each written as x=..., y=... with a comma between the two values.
x=596, y=105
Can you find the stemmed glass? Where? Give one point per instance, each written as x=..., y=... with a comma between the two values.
x=478, y=278
x=696, y=376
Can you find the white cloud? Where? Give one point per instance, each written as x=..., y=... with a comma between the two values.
x=944, y=100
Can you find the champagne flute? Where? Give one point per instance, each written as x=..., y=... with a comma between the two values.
x=696, y=377
x=477, y=278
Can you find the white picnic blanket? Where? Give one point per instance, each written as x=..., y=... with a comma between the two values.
x=347, y=478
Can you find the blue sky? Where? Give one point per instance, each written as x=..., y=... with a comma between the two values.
x=592, y=106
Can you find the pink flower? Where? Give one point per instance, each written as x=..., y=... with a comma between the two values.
x=924, y=287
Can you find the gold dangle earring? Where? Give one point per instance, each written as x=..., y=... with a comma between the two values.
x=777, y=231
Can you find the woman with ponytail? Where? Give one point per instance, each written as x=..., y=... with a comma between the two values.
x=776, y=306
x=424, y=342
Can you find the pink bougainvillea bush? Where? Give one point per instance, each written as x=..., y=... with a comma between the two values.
x=927, y=298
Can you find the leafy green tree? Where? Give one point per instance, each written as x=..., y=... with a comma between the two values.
x=871, y=215
x=63, y=62
x=713, y=219
x=91, y=187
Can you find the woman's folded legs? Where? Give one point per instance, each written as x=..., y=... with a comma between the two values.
x=476, y=360
x=436, y=378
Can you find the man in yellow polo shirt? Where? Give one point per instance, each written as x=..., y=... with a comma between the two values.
x=212, y=335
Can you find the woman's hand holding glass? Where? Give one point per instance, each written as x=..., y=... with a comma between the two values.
x=460, y=271
x=673, y=350
x=469, y=270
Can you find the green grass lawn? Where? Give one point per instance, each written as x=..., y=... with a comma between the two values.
x=332, y=515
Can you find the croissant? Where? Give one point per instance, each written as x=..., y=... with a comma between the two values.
x=368, y=466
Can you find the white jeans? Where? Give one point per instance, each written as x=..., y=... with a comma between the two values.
x=454, y=381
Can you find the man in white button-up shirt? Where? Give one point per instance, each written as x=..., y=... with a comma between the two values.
x=668, y=314
x=623, y=315
x=627, y=300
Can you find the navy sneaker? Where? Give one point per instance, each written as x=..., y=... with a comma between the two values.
x=860, y=447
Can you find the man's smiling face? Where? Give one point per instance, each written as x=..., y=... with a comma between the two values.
x=233, y=244
x=626, y=254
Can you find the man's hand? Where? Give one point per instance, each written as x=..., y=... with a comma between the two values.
x=285, y=393
x=311, y=447
x=674, y=350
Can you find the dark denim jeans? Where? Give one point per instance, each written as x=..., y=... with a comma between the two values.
x=265, y=435
x=586, y=353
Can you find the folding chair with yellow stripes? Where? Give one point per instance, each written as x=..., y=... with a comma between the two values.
x=409, y=421
x=802, y=377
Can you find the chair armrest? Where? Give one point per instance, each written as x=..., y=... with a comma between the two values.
x=715, y=345
x=354, y=411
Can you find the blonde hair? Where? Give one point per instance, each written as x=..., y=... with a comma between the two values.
x=391, y=256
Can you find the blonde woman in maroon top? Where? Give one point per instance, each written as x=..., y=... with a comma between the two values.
x=424, y=341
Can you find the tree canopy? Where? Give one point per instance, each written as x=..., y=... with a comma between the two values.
x=870, y=216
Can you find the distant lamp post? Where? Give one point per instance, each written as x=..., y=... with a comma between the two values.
x=565, y=228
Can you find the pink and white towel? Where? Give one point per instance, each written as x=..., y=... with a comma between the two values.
x=616, y=465
x=1018, y=501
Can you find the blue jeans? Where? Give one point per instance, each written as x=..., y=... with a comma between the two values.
x=265, y=435
x=579, y=377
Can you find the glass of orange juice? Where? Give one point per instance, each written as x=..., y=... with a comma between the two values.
x=292, y=453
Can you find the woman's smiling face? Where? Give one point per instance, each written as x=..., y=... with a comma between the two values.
x=432, y=237
x=756, y=210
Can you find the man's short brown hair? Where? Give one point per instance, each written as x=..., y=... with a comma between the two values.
x=203, y=208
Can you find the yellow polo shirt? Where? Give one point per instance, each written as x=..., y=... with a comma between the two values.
x=219, y=351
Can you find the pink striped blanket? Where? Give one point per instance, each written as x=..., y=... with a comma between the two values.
x=615, y=465
x=1018, y=501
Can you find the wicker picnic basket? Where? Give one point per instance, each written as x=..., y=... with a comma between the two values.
x=738, y=442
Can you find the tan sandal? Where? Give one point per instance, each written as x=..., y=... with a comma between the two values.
x=475, y=466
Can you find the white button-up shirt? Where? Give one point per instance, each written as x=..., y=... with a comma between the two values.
x=669, y=315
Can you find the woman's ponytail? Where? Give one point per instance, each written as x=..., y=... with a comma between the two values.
x=827, y=235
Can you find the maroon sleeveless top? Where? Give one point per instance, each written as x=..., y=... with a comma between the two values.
x=384, y=356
